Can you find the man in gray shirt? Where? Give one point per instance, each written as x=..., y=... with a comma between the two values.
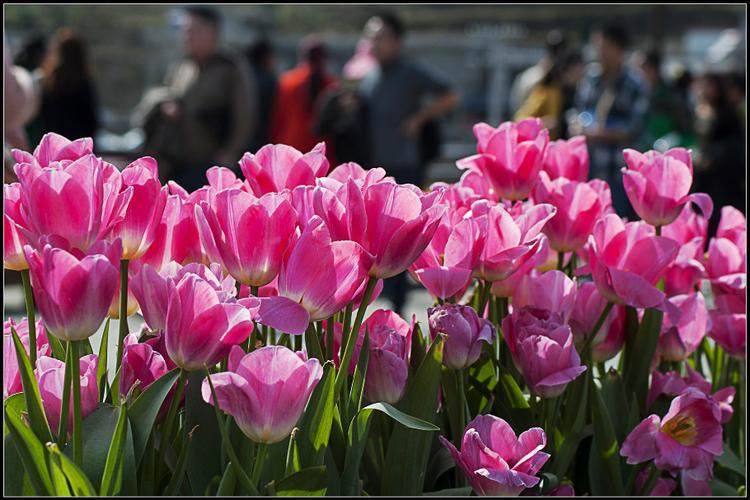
x=395, y=92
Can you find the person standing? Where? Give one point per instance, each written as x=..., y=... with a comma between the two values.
x=205, y=115
x=260, y=56
x=612, y=103
x=394, y=93
x=528, y=79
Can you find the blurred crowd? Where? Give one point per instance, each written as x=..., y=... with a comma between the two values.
x=385, y=108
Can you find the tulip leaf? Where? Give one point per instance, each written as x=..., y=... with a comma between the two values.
x=638, y=366
x=721, y=489
x=450, y=492
x=58, y=349
x=228, y=482
x=115, y=461
x=616, y=401
x=178, y=475
x=76, y=478
x=418, y=346
x=311, y=481
x=34, y=407
x=145, y=408
x=101, y=370
x=605, y=440
x=402, y=418
x=15, y=479
x=59, y=482
x=730, y=461
x=204, y=455
x=31, y=453
x=15, y=404
x=356, y=441
x=452, y=401
x=315, y=424
x=440, y=463
x=409, y=449
x=360, y=374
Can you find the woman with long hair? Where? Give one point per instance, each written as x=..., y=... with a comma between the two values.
x=68, y=95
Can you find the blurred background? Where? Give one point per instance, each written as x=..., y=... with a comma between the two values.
x=324, y=72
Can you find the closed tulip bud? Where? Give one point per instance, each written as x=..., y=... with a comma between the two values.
x=465, y=332
x=11, y=374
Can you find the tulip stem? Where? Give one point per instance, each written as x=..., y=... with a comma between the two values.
x=658, y=230
x=123, y=310
x=484, y=295
x=329, y=338
x=62, y=431
x=30, y=315
x=353, y=334
x=586, y=349
x=260, y=457
x=560, y=260
x=653, y=476
x=171, y=414
x=75, y=375
x=741, y=417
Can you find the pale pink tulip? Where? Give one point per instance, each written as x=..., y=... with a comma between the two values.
x=663, y=487
x=681, y=335
x=505, y=288
x=588, y=307
x=685, y=440
x=73, y=291
x=277, y=166
x=568, y=159
x=465, y=333
x=672, y=384
x=726, y=267
x=54, y=148
x=14, y=233
x=495, y=461
x=248, y=235
x=552, y=291
x=510, y=156
x=658, y=185
x=50, y=375
x=729, y=330
x=265, y=391
x=11, y=375
x=140, y=363
x=627, y=260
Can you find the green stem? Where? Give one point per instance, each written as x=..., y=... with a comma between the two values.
x=171, y=415
x=30, y=315
x=329, y=338
x=742, y=410
x=62, y=431
x=484, y=295
x=260, y=457
x=123, y=310
x=572, y=264
x=75, y=375
x=658, y=230
x=312, y=342
x=254, y=291
x=560, y=260
x=586, y=349
x=352, y=339
x=653, y=476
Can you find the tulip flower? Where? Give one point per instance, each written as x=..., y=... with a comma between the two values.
x=578, y=208
x=690, y=230
x=662, y=488
x=552, y=291
x=202, y=326
x=277, y=166
x=141, y=363
x=355, y=172
x=50, y=375
x=732, y=226
x=681, y=336
x=248, y=235
x=658, y=184
x=505, y=288
x=727, y=267
x=627, y=260
x=672, y=384
x=11, y=375
x=143, y=214
x=542, y=349
x=568, y=159
x=729, y=330
x=14, y=234
x=319, y=278
x=132, y=304
x=79, y=201
x=265, y=391
x=611, y=335
x=495, y=461
x=685, y=440
x=55, y=148
x=465, y=332
x=510, y=156
x=73, y=292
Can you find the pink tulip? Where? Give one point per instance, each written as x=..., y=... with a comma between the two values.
x=509, y=242
x=143, y=214
x=265, y=391
x=542, y=350
x=54, y=148
x=729, y=330
x=400, y=225
x=510, y=156
x=505, y=288
x=79, y=201
x=672, y=384
x=73, y=291
x=732, y=226
x=176, y=237
x=568, y=159
x=694, y=487
x=658, y=185
x=353, y=171
x=465, y=332
x=578, y=208
x=552, y=291
x=681, y=336
x=588, y=307
x=727, y=269
x=201, y=324
x=319, y=279
x=690, y=230
x=14, y=234
x=627, y=260
x=11, y=375
x=248, y=235
x=50, y=374
x=663, y=487
x=277, y=166
x=495, y=461
x=687, y=439
x=140, y=363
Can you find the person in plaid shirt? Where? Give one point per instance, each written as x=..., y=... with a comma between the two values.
x=611, y=107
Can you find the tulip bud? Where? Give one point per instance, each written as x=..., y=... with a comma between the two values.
x=465, y=331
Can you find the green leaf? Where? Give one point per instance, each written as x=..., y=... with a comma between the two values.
x=721, y=489
x=730, y=461
x=204, y=454
x=15, y=404
x=638, y=366
x=101, y=370
x=440, y=463
x=409, y=449
x=402, y=418
x=31, y=453
x=311, y=481
x=13, y=469
x=360, y=373
x=58, y=350
x=574, y=420
x=357, y=438
x=228, y=482
x=59, y=481
x=178, y=475
x=37, y=418
x=115, y=461
x=145, y=408
x=453, y=401
x=450, y=492
x=418, y=346
x=77, y=479
x=616, y=401
x=606, y=442
x=315, y=424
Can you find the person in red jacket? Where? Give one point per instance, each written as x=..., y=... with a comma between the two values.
x=293, y=115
